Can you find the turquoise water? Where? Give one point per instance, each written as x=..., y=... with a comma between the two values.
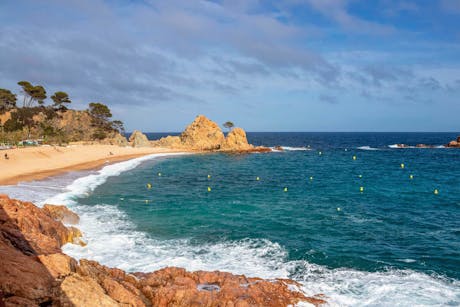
x=396, y=222
x=394, y=243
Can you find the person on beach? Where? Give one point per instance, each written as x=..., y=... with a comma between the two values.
x=6, y=156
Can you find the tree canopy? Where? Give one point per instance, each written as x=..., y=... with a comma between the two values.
x=32, y=93
x=100, y=113
x=7, y=99
x=229, y=125
x=60, y=99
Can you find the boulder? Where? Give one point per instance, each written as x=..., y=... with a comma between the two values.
x=169, y=141
x=118, y=139
x=138, y=139
x=202, y=134
x=82, y=291
x=236, y=141
x=61, y=213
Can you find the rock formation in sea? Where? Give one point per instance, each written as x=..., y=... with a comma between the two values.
x=35, y=272
x=204, y=134
x=454, y=143
x=138, y=139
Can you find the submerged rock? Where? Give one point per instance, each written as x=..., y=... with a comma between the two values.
x=34, y=271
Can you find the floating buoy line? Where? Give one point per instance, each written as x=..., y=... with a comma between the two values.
x=285, y=189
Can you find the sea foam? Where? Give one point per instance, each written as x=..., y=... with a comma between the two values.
x=289, y=148
x=367, y=148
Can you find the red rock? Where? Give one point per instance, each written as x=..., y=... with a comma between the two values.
x=62, y=214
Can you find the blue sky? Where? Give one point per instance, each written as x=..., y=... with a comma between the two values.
x=294, y=65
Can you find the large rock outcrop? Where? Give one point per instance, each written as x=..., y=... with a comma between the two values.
x=236, y=140
x=204, y=134
x=138, y=139
x=34, y=271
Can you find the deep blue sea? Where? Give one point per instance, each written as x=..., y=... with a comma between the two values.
x=346, y=214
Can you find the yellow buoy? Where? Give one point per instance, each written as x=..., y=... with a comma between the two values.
x=149, y=185
x=411, y=176
x=209, y=189
x=361, y=189
x=159, y=174
x=285, y=189
x=354, y=157
x=257, y=178
x=436, y=192
x=402, y=165
x=209, y=176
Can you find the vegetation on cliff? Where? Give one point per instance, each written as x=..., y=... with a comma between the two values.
x=53, y=123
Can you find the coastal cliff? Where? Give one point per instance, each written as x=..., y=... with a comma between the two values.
x=204, y=134
x=34, y=272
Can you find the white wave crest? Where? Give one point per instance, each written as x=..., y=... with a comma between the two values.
x=403, y=146
x=289, y=148
x=367, y=148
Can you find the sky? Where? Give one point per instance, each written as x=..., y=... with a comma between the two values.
x=293, y=65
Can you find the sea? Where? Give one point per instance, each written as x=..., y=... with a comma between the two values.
x=347, y=215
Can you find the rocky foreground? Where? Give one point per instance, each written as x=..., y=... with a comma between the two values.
x=35, y=272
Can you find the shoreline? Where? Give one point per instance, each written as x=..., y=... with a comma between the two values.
x=36, y=163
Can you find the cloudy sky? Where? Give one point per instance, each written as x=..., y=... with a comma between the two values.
x=293, y=65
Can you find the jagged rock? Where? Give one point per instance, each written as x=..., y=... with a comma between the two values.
x=202, y=134
x=33, y=271
x=24, y=222
x=236, y=140
x=138, y=139
x=61, y=213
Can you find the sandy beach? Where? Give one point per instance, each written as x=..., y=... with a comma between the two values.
x=32, y=163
